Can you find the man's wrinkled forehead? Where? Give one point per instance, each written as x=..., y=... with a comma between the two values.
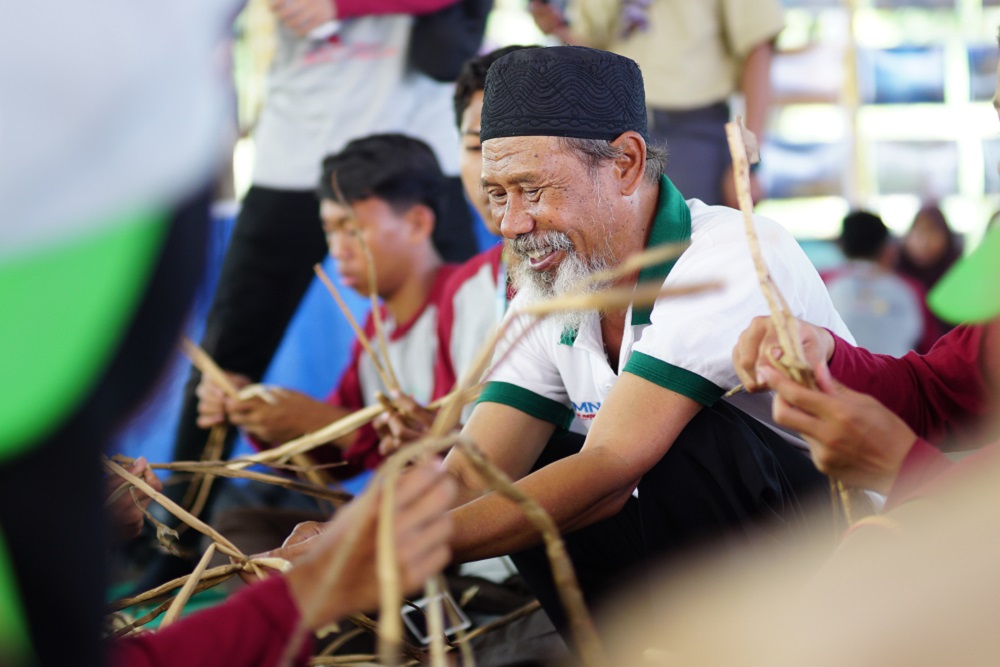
x=519, y=159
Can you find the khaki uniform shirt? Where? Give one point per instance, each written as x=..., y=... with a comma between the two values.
x=692, y=52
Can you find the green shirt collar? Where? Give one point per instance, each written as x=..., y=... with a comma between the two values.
x=672, y=224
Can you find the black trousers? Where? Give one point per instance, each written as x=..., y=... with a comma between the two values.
x=268, y=266
x=51, y=498
x=726, y=478
x=697, y=151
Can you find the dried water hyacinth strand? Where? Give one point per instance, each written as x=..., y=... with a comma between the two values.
x=793, y=362
x=377, y=322
x=214, y=443
x=461, y=636
x=390, y=634
x=369, y=625
x=165, y=535
x=391, y=599
x=350, y=660
x=633, y=263
x=219, y=469
x=148, y=617
x=388, y=574
x=517, y=614
x=330, y=574
x=359, y=333
x=119, y=491
x=177, y=606
x=340, y=641
x=197, y=492
x=209, y=579
x=207, y=366
x=204, y=481
x=615, y=298
x=220, y=573
x=355, y=660
x=581, y=625
x=333, y=431
x=391, y=594
x=389, y=585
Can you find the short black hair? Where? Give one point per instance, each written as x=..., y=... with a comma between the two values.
x=473, y=77
x=396, y=168
x=863, y=236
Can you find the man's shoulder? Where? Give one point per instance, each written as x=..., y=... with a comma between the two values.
x=710, y=217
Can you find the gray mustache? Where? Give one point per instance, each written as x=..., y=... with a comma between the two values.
x=541, y=241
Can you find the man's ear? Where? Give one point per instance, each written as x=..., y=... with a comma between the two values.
x=422, y=220
x=630, y=166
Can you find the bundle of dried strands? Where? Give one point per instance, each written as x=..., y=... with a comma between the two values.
x=196, y=581
x=793, y=363
x=580, y=623
x=390, y=632
x=390, y=629
x=334, y=430
x=220, y=469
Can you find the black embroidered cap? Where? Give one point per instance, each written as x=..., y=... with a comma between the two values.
x=563, y=91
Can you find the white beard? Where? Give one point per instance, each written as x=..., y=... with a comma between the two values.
x=567, y=278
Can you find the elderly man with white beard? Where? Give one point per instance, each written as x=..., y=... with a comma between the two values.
x=613, y=420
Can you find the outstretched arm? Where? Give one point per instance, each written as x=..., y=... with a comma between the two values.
x=636, y=425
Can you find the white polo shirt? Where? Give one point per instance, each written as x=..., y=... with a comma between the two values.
x=684, y=344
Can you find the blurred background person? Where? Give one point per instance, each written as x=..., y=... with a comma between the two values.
x=885, y=311
x=929, y=248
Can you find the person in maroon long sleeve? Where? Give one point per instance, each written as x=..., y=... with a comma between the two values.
x=874, y=421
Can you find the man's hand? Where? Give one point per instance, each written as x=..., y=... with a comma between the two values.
x=303, y=16
x=407, y=422
x=126, y=517
x=422, y=529
x=212, y=400
x=292, y=414
x=750, y=355
x=852, y=436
